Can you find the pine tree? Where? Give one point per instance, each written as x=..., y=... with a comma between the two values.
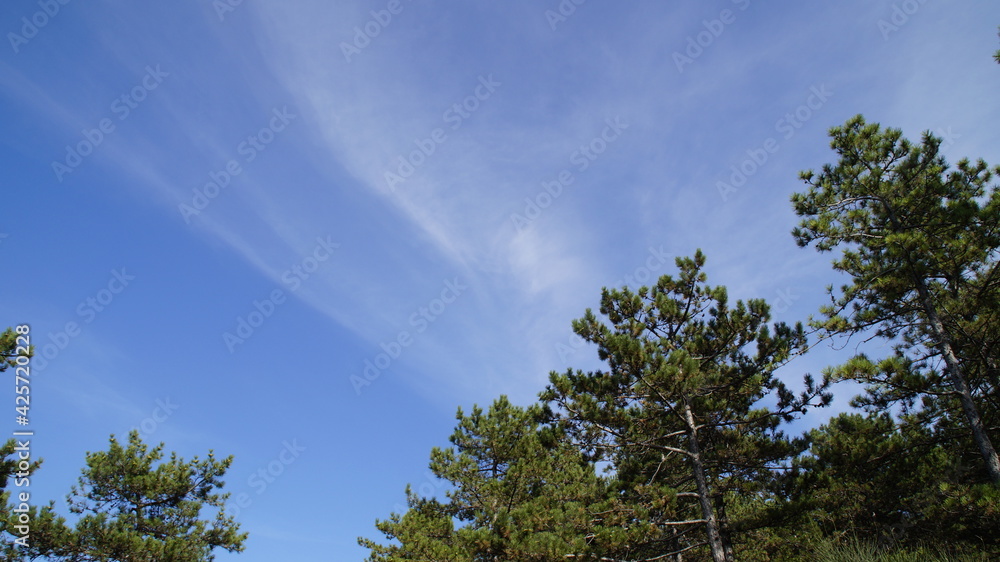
x=47, y=530
x=919, y=242
x=47, y=533
x=130, y=510
x=690, y=409
x=896, y=484
x=517, y=492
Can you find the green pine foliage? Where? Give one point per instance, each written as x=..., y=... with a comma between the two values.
x=48, y=531
x=133, y=510
x=518, y=492
x=9, y=350
x=895, y=484
x=919, y=242
x=681, y=411
x=130, y=506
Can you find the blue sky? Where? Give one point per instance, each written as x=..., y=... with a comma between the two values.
x=238, y=208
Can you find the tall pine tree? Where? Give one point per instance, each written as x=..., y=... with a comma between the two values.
x=690, y=409
x=919, y=243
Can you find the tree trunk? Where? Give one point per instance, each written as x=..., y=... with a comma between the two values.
x=711, y=525
x=724, y=532
x=954, y=370
x=952, y=366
